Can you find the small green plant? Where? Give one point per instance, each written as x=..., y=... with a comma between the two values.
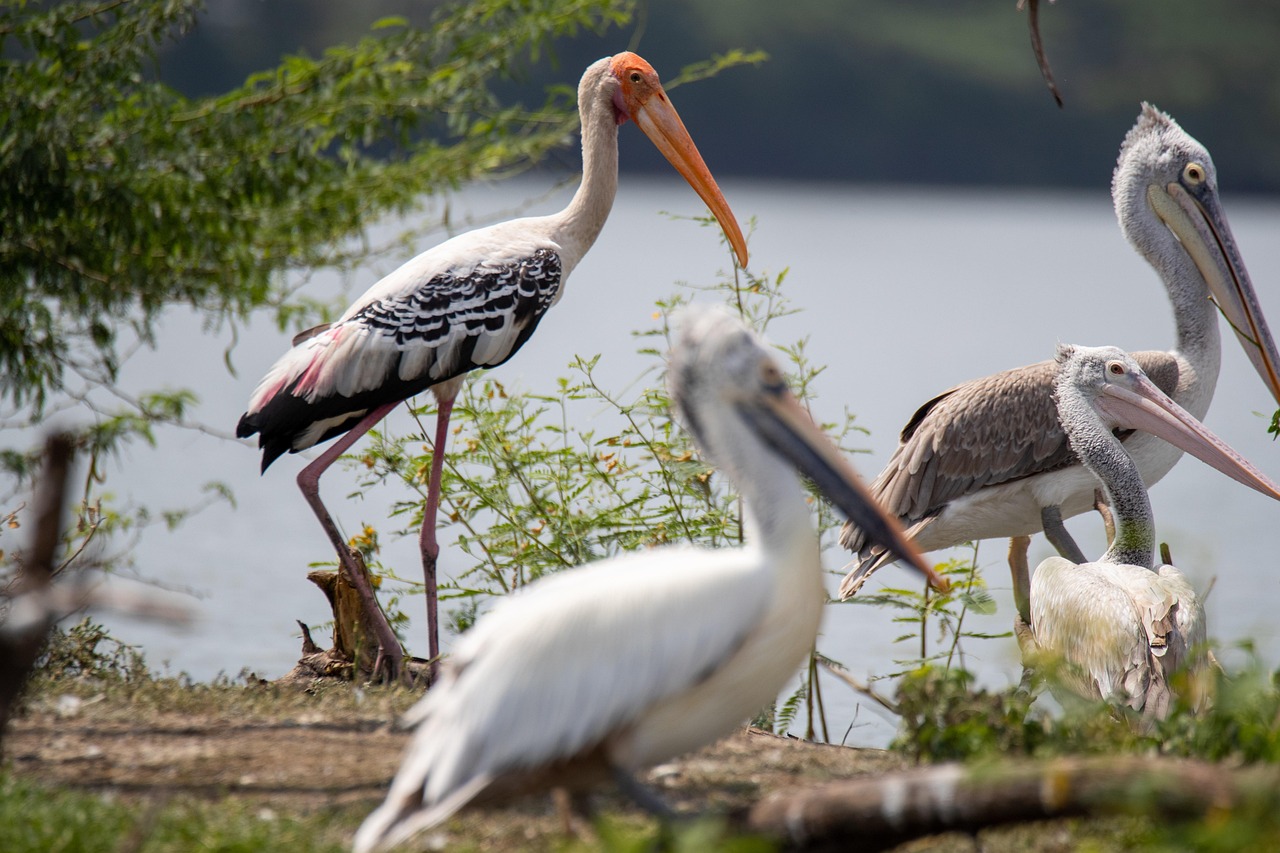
x=926, y=613
x=88, y=651
x=944, y=717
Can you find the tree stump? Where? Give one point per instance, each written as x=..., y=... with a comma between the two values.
x=355, y=646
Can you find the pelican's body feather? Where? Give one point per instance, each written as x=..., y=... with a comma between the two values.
x=634, y=651
x=1123, y=630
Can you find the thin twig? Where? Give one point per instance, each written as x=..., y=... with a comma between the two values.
x=865, y=689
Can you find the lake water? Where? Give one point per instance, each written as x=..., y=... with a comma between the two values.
x=904, y=292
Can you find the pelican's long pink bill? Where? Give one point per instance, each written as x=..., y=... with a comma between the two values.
x=1147, y=408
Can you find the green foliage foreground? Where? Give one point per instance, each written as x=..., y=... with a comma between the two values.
x=37, y=819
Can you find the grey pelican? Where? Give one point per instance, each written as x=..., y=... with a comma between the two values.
x=1122, y=624
x=468, y=303
x=989, y=459
x=606, y=669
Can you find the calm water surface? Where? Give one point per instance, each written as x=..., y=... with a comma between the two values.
x=903, y=293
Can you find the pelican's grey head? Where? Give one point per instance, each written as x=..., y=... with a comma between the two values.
x=1083, y=373
x=1165, y=190
x=1155, y=154
x=734, y=400
x=717, y=361
x=1110, y=383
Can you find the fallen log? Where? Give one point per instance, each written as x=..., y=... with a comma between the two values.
x=882, y=812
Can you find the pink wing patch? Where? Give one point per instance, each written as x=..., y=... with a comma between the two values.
x=307, y=362
x=320, y=346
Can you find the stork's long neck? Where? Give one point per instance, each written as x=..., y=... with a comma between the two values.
x=578, y=225
x=1105, y=457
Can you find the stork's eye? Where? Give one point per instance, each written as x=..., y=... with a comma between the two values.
x=1115, y=368
x=1194, y=174
x=635, y=77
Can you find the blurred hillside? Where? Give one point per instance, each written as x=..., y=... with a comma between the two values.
x=932, y=91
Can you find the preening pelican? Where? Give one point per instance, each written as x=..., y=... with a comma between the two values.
x=468, y=303
x=989, y=459
x=1122, y=624
x=630, y=661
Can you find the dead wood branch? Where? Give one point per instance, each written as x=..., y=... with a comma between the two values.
x=1037, y=47
x=877, y=813
x=355, y=645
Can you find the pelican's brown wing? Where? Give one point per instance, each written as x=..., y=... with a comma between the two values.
x=981, y=433
x=985, y=432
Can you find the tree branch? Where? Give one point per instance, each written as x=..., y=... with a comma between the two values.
x=878, y=813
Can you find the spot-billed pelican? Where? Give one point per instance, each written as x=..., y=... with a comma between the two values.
x=1122, y=624
x=989, y=459
x=468, y=303
x=603, y=670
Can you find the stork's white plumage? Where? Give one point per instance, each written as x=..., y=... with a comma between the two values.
x=1123, y=624
x=989, y=459
x=468, y=303
x=628, y=662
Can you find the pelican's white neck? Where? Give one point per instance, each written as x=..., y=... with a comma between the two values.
x=778, y=519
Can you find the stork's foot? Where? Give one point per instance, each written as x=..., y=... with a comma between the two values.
x=388, y=662
x=433, y=610
x=1020, y=571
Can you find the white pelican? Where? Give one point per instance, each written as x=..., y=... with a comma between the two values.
x=630, y=661
x=468, y=303
x=989, y=459
x=1122, y=624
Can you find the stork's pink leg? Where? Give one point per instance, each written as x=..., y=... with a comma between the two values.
x=427, y=536
x=389, y=651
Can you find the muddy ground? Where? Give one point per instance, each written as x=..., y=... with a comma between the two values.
x=299, y=753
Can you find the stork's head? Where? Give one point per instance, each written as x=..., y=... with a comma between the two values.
x=634, y=92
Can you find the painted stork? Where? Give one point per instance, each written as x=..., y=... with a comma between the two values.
x=989, y=459
x=468, y=303
x=600, y=671
x=1122, y=625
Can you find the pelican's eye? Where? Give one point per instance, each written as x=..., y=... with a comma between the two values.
x=1194, y=174
x=770, y=375
x=1115, y=368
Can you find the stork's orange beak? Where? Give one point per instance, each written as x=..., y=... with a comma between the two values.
x=647, y=104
